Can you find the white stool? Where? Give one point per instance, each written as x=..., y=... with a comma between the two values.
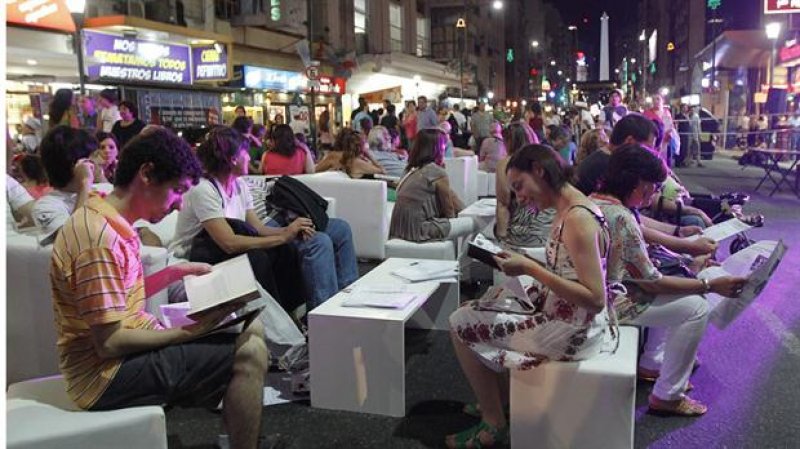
x=40, y=415
x=588, y=404
x=437, y=250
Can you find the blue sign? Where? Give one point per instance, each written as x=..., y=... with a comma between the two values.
x=264, y=78
x=210, y=63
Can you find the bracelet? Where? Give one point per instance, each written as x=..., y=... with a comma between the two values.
x=706, y=285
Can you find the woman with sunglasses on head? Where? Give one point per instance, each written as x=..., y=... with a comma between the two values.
x=563, y=317
x=426, y=207
x=672, y=307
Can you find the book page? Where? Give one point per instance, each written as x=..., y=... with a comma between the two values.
x=722, y=231
x=230, y=280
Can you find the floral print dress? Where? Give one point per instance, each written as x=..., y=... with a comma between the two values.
x=523, y=333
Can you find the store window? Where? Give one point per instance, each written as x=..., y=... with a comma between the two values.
x=396, y=26
x=423, y=37
x=360, y=7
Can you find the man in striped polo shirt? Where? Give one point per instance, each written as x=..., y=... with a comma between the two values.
x=113, y=353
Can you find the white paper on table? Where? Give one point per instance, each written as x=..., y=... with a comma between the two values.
x=722, y=231
x=273, y=396
x=756, y=262
x=381, y=288
x=379, y=300
x=425, y=270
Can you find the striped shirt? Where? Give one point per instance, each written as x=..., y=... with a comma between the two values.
x=97, y=278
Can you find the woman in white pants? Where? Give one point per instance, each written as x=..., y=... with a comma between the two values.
x=672, y=306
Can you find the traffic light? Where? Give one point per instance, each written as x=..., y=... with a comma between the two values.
x=534, y=72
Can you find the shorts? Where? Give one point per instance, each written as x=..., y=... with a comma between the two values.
x=193, y=374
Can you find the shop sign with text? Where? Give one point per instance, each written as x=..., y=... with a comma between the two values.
x=781, y=6
x=789, y=53
x=122, y=58
x=265, y=78
x=50, y=14
x=210, y=63
x=332, y=85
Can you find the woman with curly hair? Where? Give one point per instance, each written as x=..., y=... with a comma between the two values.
x=592, y=140
x=218, y=221
x=348, y=155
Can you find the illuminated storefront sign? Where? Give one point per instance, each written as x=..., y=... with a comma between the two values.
x=264, y=78
x=781, y=6
x=788, y=54
x=209, y=63
x=129, y=59
x=50, y=14
x=332, y=85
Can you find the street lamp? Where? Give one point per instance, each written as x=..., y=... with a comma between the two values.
x=490, y=95
x=76, y=9
x=535, y=44
x=572, y=28
x=497, y=4
x=553, y=62
x=773, y=30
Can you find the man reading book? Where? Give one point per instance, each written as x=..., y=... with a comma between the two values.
x=113, y=353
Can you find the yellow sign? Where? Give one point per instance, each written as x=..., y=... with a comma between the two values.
x=461, y=23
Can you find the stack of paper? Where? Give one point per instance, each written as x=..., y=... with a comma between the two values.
x=426, y=270
x=390, y=296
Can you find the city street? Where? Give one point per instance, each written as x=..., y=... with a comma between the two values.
x=746, y=378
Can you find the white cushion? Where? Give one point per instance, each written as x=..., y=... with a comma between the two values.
x=577, y=404
x=462, y=173
x=438, y=250
x=40, y=416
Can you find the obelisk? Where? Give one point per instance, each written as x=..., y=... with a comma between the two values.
x=604, y=47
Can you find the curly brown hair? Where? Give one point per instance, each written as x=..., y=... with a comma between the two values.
x=350, y=143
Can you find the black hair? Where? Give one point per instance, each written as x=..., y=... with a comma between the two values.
x=628, y=165
x=557, y=173
x=366, y=125
x=102, y=135
x=31, y=166
x=391, y=109
x=429, y=146
x=221, y=145
x=171, y=156
x=59, y=105
x=634, y=125
x=559, y=132
x=242, y=124
x=238, y=106
x=131, y=107
x=61, y=148
x=109, y=94
x=284, y=141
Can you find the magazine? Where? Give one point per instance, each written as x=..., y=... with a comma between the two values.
x=484, y=250
x=722, y=231
x=756, y=262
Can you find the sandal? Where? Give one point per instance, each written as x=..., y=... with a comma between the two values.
x=471, y=438
x=685, y=406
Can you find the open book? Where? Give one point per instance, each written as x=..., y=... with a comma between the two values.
x=722, y=231
x=756, y=262
x=229, y=281
x=484, y=250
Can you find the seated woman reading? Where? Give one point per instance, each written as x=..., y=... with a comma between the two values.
x=426, y=206
x=673, y=307
x=218, y=221
x=563, y=317
x=518, y=224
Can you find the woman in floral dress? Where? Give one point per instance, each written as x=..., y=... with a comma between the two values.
x=564, y=316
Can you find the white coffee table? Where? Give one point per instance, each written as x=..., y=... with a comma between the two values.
x=357, y=354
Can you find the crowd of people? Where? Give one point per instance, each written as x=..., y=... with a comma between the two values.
x=599, y=196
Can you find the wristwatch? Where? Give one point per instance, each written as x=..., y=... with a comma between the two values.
x=706, y=285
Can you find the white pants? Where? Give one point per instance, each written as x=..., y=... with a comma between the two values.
x=677, y=324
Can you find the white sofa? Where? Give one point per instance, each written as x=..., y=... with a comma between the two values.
x=40, y=415
x=462, y=172
x=29, y=305
x=486, y=184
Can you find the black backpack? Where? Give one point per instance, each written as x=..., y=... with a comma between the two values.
x=291, y=194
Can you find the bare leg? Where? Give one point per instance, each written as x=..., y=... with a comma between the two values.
x=484, y=383
x=243, y=400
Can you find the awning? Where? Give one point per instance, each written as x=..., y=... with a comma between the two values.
x=158, y=31
x=382, y=72
x=738, y=49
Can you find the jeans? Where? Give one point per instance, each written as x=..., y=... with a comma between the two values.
x=677, y=324
x=327, y=260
